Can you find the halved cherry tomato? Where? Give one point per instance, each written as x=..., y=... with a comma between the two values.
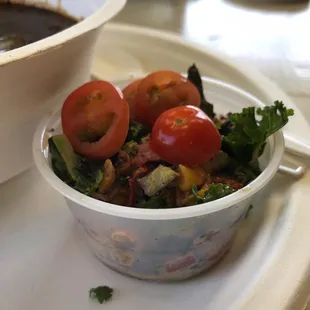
x=160, y=91
x=185, y=135
x=130, y=92
x=95, y=119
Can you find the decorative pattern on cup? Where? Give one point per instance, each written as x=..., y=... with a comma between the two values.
x=123, y=258
x=216, y=256
x=205, y=238
x=180, y=263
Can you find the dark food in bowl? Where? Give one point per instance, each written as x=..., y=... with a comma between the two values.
x=150, y=149
x=22, y=24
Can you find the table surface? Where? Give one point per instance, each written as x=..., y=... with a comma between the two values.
x=273, y=38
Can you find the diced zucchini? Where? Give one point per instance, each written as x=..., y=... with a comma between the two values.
x=63, y=154
x=156, y=180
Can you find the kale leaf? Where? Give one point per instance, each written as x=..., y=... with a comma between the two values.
x=131, y=148
x=246, y=138
x=193, y=76
x=82, y=174
x=214, y=192
x=101, y=293
x=58, y=164
x=136, y=131
x=246, y=174
x=155, y=202
x=243, y=173
x=89, y=174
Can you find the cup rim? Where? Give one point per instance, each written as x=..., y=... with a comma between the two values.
x=247, y=192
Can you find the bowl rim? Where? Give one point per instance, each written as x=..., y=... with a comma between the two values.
x=107, y=10
x=158, y=214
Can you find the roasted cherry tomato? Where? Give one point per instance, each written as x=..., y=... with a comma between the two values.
x=160, y=91
x=185, y=135
x=130, y=92
x=95, y=119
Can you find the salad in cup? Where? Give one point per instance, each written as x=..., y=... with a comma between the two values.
x=155, y=177
x=158, y=143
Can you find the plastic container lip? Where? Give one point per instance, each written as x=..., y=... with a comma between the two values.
x=39, y=146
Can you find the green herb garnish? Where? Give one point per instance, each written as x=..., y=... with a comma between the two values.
x=215, y=191
x=101, y=293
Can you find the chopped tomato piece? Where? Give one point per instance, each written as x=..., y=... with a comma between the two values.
x=95, y=119
x=161, y=91
x=185, y=135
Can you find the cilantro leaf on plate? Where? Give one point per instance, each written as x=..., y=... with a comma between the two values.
x=101, y=293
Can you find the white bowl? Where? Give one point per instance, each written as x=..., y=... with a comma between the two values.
x=170, y=244
x=49, y=68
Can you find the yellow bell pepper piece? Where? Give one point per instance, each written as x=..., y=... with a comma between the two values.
x=190, y=176
x=202, y=191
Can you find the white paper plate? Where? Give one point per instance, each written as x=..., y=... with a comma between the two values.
x=45, y=265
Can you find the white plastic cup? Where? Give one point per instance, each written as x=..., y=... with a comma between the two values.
x=164, y=244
